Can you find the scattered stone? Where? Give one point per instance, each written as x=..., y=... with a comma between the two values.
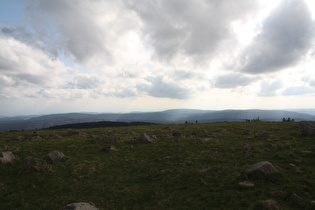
x=109, y=148
x=144, y=138
x=6, y=157
x=296, y=197
x=55, y=156
x=246, y=184
x=177, y=134
x=307, y=128
x=79, y=206
x=34, y=163
x=203, y=170
x=167, y=128
x=18, y=138
x=110, y=139
x=72, y=133
x=291, y=164
x=34, y=137
x=313, y=203
x=206, y=140
x=270, y=205
x=265, y=167
x=276, y=128
x=264, y=135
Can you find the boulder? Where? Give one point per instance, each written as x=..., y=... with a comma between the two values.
x=177, y=134
x=55, y=156
x=34, y=163
x=307, y=128
x=144, y=138
x=6, y=157
x=265, y=167
x=80, y=206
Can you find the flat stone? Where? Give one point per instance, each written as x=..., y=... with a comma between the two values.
x=79, y=206
x=265, y=167
x=246, y=184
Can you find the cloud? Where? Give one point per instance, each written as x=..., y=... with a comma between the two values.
x=284, y=38
x=232, y=80
x=162, y=89
x=190, y=28
x=269, y=88
x=301, y=90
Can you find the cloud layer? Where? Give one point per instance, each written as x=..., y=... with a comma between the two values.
x=178, y=50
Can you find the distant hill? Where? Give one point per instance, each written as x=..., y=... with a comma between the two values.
x=163, y=117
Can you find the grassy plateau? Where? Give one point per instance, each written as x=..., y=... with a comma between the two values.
x=199, y=170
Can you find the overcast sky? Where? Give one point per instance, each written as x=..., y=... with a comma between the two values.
x=150, y=55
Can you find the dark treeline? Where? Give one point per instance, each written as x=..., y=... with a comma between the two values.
x=100, y=124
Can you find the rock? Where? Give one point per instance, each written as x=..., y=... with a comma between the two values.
x=6, y=157
x=313, y=203
x=109, y=148
x=110, y=139
x=34, y=163
x=79, y=206
x=307, y=128
x=55, y=156
x=246, y=184
x=265, y=167
x=177, y=134
x=206, y=140
x=18, y=138
x=296, y=197
x=72, y=133
x=269, y=205
x=144, y=138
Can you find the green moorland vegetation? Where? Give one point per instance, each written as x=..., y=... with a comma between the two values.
x=199, y=170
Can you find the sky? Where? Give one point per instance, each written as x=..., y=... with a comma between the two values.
x=124, y=55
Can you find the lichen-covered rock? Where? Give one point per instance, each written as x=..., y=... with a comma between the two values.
x=79, y=206
x=6, y=157
x=34, y=163
x=55, y=156
x=265, y=167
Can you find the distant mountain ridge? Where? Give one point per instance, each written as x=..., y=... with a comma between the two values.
x=162, y=117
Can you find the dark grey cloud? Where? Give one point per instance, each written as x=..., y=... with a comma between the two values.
x=285, y=37
x=268, y=89
x=193, y=28
x=301, y=90
x=232, y=80
x=161, y=89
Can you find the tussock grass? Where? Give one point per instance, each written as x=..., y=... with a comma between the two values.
x=188, y=172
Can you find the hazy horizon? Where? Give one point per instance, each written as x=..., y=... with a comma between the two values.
x=121, y=56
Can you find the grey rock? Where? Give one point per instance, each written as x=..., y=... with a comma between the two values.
x=34, y=163
x=144, y=138
x=307, y=128
x=79, y=206
x=177, y=134
x=55, y=156
x=296, y=197
x=307, y=152
x=6, y=157
x=246, y=184
x=265, y=167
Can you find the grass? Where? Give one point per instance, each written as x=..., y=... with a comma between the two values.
x=172, y=173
